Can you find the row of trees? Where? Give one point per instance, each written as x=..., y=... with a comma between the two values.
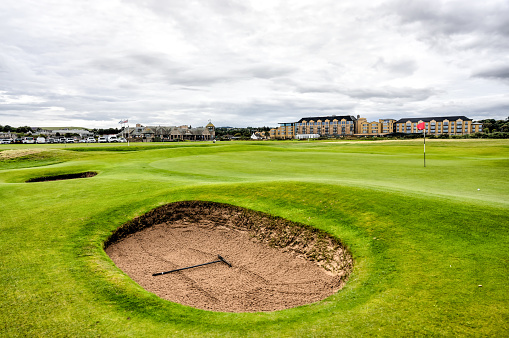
x=7, y=128
x=242, y=133
x=27, y=129
x=109, y=131
x=492, y=125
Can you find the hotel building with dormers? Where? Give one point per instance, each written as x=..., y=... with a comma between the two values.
x=315, y=127
x=451, y=125
x=350, y=126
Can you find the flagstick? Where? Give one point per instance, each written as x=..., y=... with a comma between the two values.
x=425, y=146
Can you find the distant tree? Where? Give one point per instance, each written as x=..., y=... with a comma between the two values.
x=106, y=131
x=24, y=129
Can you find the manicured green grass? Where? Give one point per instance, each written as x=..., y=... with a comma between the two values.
x=424, y=239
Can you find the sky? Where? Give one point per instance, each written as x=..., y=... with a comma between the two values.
x=250, y=62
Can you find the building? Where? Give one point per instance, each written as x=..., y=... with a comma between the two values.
x=173, y=133
x=477, y=127
x=343, y=126
x=258, y=135
x=380, y=128
x=83, y=133
x=450, y=125
x=285, y=131
x=314, y=127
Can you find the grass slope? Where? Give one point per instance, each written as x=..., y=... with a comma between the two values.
x=424, y=239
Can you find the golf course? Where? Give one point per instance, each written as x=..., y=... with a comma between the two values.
x=430, y=244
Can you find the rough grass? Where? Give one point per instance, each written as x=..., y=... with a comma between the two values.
x=430, y=250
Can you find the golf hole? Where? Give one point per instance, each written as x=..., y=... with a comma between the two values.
x=62, y=177
x=228, y=258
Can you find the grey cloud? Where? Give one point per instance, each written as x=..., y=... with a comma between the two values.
x=391, y=93
x=267, y=71
x=480, y=109
x=454, y=17
x=135, y=64
x=485, y=23
x=188, y=61
x=224, y=7
x=162, y=68
x=500, y=72
x=317, y=88
x=411, y=94
x=399, y=67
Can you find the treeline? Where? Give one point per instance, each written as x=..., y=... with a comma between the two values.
x=109, y=131
x=493, y=126
x=22, y=130
x=27, y=129
x=241, y=133
x=494, y=135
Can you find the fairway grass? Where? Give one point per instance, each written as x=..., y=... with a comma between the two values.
x=430, y=245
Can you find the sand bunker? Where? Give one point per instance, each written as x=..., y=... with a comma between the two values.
x=276, y=264
x=62, y=177
x=15, y=153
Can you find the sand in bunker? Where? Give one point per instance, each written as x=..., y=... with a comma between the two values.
x=261, y=278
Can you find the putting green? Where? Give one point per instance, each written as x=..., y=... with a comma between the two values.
x=430, y=249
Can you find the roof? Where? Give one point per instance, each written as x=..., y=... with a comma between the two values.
x=330, y=118
x=437, y=119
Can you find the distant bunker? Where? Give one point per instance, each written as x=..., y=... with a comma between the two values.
x=62, y=177
x=276, y=264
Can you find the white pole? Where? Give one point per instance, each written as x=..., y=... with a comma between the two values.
x=425, y=145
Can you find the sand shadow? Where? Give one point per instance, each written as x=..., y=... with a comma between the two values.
x=62, y=177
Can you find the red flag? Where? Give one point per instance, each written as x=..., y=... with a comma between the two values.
x=420, y=126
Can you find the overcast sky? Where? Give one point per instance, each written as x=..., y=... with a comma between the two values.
x=250, y=63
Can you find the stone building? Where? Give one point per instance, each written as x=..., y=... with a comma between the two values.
x=173, y=133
